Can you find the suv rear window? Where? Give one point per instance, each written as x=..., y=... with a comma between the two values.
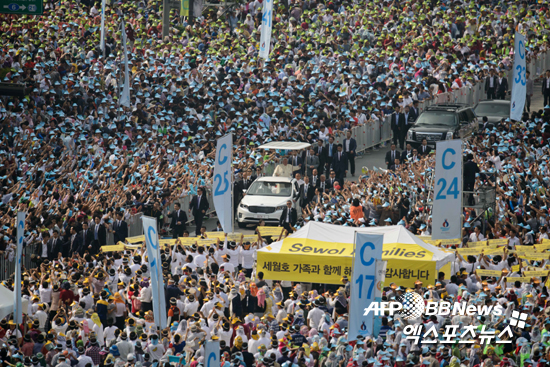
x=437, y=118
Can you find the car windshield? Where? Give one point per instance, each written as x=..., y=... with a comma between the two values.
x=493, y=109
x=265, y=188
x=436, y=118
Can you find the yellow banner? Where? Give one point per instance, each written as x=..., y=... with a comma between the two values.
x=119, y=247
x=515, y=268
x=488, y=273
x=525, y=248
x=453, y=241
x=469, y=251
x=542, y=246
x=266, y=231
x=498, y=242
x=398, y=251
x=535, y=273
x=215, y=234
x=520, y=279
x=113, y=248
x=135, y=239
x=330, y=269
x=533, y=256
x=477, y=244
x=167, y=242
x=493, y=251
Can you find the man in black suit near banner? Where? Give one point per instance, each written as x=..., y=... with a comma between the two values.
x=502, y=89
x=398, y=126
x=340, y=165
x=100, y=235
x=85, y=238
x=198, y=206
x=179, y=219
x=288, y=217
x=120, y=228
x=424, y=149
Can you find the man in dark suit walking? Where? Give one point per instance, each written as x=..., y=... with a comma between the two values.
x=306, y=192
x=198, y=207
x=350, y=148
x=54, y=245
x=288, y=218
x=73, y=242
x=85, y=238
x=340, y=165
x=391, y=156
x=398, y=126
x=120, y=228
x=320, y=152
x=330, y=150
x=414, y=111
x=502, y=86
x=99, y=234
x=470, y=170
x=491, y=84
x=179, y=219
x=546, y=88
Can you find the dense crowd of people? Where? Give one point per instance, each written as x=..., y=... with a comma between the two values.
x=80, y=164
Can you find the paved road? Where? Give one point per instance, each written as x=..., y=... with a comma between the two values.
x=369, y=159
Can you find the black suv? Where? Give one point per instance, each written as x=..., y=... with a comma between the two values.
x=443, y=122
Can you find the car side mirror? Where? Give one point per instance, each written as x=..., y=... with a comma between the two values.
x=244, y=191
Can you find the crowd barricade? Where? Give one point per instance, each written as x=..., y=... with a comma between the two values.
x=7, y=261
x=135, y=225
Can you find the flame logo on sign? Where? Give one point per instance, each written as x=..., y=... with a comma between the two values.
x=363, y=326
x=445, y=224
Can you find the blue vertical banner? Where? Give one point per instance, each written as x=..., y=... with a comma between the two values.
x=125, y=95
x=366, y=283
x=17, y=305
x=447, y=201
x=223, y=185
x=212, y=353
x=155, y=267
x=265, y=35
x=102, y=40
x=519, y=78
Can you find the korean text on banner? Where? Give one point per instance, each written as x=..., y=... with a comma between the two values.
x=17, y=306
x=157, y=283
x=265, y=36
x=222, y=182
x=212, y=354
x=447, y=201
x=365, y=283
x=519, y=77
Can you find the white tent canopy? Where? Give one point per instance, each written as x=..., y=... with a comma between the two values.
x=285, y=145
x=6, y=302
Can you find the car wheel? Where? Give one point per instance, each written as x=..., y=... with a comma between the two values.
x=241, y=225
